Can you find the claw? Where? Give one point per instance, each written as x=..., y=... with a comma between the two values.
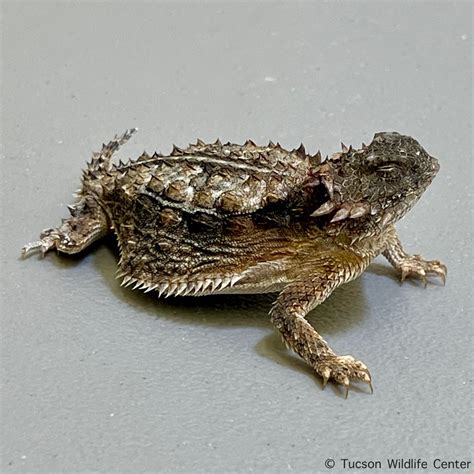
x=43, y=246
x=326, y=374
x=419, y=268
x=422, y=275
x=343, y=370
x=370, y=376
x=442, y=271
x=44, y=249
x=347, y=385
x=31, y=248
x=403, y=275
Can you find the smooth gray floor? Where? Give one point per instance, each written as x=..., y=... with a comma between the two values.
x=100, y=378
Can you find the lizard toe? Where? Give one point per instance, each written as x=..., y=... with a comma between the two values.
x=344, y=370
x=416, y=267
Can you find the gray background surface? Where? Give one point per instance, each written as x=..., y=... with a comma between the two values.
x=100, y=378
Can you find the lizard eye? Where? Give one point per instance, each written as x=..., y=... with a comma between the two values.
x=386, y=168
x=390, y=168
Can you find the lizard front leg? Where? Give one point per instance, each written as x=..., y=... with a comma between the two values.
x=411, y=265
x=315, y=282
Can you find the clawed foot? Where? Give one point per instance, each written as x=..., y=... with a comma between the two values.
x=49, y=239
x=344, y=369
x=415, y=266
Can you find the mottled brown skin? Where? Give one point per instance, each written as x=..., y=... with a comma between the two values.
x=216, y=218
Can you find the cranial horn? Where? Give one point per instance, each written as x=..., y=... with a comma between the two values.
x=341, y=214
x=358, y=210
x=386, y=219
x=344, y=148
x=326, y=208
x=328, y=182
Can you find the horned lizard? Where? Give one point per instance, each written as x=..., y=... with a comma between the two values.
x=226, y=218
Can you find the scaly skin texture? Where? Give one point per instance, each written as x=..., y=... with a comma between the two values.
x=216, y=218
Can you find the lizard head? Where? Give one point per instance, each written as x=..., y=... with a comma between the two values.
x=374, y=186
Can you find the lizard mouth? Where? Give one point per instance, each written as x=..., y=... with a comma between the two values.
x=434, y=165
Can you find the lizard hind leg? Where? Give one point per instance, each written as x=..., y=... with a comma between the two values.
x=87, y=224
x=311, y=288
x=303, y=339
x=88, y=221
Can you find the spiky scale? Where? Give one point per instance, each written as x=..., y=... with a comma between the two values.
x=197, y=286
x=301, y=150
x=172, y=289
x=162, y=288
x=208, y=282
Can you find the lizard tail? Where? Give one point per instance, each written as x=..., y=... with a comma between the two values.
x=102, y=160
